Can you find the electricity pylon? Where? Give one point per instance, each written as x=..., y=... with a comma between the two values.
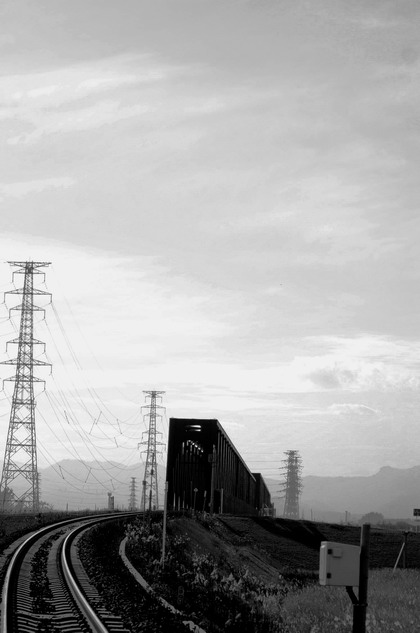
x=292, y=485
x=132, y=500
x=150, y=492
x=20, y=457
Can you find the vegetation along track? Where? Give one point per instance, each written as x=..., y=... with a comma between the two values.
x=46, y=588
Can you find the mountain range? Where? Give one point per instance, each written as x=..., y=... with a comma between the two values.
x=393, y=492
x=73, y=485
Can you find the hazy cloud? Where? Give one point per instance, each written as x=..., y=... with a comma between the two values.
x=341, y=375
x=350, y=409
x=71, y=99
x=20, y=189
x=55, y=88
x=98, y=115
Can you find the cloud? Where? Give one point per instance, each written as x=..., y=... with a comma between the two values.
x=157, y=324
x=55, y=88
x=71, y=99
x=89, y=96
x=363, y=376
x=333, y=377
x=319, y=217
x=385, y=350
x=20, y=189
x=98, y=115
x=352, y=409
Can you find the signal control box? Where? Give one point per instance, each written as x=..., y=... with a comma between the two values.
x=339, y=564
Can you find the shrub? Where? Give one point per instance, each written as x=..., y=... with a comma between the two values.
x=217, y=596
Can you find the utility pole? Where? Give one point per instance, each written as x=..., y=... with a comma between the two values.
x=150, y=493
x=292, y=485
x=20, y=458
x=132, y=501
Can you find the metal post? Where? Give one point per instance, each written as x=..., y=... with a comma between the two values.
x=144, y=499
x=359, y=608
x=164, y=525
x=398, y=557
x=405, y=562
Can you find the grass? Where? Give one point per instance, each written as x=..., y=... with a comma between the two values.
x=218, y=592
x=393, y=606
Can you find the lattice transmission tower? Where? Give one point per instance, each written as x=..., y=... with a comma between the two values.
x=132, y=502
x=20, y=457
x=150, y=491
x=292, y=484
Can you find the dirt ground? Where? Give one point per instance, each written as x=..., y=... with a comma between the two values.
x=271, y=547
x=241, y=541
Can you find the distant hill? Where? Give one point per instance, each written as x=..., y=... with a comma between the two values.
x=76, y=485
x=393, y=492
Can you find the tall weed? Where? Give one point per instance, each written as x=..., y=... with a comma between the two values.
x=393, y=606
x=216, y=595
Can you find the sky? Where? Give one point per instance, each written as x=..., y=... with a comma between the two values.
x=227, y=192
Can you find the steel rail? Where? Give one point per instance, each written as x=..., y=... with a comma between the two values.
x=70, y=578
x=5, y=622
x=10, y=579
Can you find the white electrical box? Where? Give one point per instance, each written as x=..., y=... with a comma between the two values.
x=339, y=564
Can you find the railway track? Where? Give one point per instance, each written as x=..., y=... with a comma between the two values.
x=47, y=589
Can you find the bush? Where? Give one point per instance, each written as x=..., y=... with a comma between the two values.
x=214, y=594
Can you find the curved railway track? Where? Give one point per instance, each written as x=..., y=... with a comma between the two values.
x=46, y=588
